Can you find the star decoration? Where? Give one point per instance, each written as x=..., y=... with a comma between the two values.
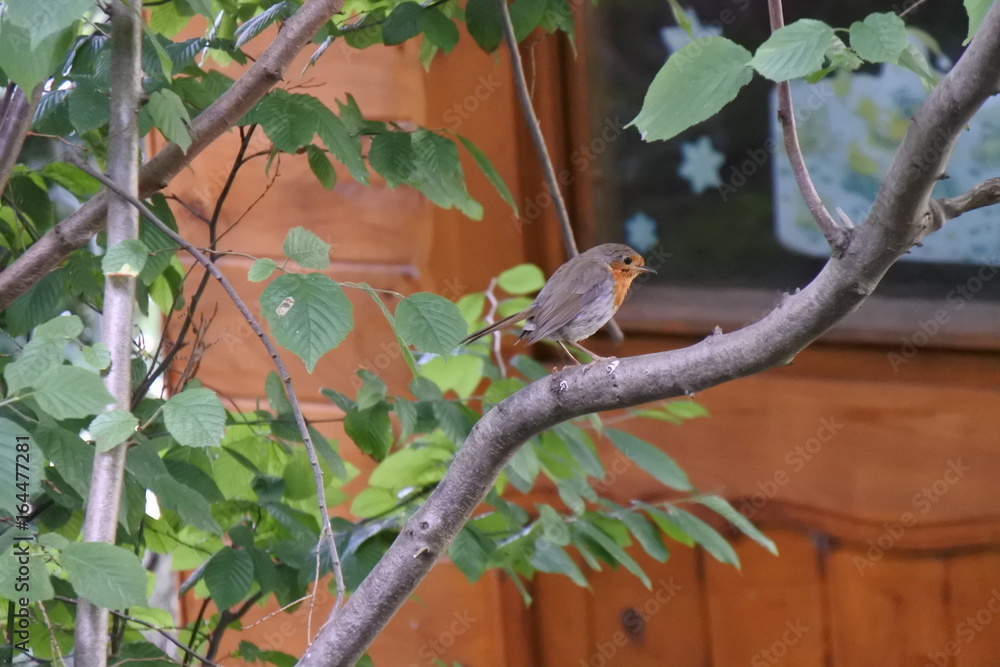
x=700, y=164
x=640, y=232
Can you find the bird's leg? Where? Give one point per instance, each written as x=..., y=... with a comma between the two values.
x=612, y=361
x=570, y=354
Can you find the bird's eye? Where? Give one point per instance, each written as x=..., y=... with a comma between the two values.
x=626, y=259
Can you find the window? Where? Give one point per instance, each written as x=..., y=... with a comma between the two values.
x=716, y=208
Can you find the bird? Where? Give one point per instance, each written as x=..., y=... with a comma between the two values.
x=580, y=297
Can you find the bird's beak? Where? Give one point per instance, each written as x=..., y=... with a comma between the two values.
x=644, y=269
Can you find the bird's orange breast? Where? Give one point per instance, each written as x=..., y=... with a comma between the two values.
x=623, y=280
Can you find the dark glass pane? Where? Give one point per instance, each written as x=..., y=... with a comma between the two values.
x=709, y=197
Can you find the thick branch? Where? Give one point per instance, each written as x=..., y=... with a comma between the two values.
x=107, y=479
x=76, y=230
x=326, y=532
x=838, y=237
x=838, y=290
x=15, y=121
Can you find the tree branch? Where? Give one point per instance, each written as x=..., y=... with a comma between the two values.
x=538, y=139
x=76, y=230
x=15, y=121
x=986, y=193
x=893, y=225
x=326, y=531
x=100, y=522
x=838, y=237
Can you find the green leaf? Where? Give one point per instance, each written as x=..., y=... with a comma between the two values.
x=321, y=167
x=525, y=15
x=694, y=84
x=705, y=535
x=411, y=467
x=342, y=144
x=15, y=467
x=39, y=304
x=250, y=29
x=795, y=50
x=681, y=17
x=402, y=24
x=289, y=120
x=189, y=505
x=107, y=575
x=391, y=156
x=274, y=388
x=976, y=9
x=97, y=356
x=430, y=323
x=438, y=173
x=89, y=108
x=26, y=64
x=913, y=59
x=13, y=582
x=438, y=29
x=66, y=392
x=195, y=417
x=170, y=116
x=468, y=555
x=880, y=38
x=229, y=576
x=112, y=428
x=37, y=357
x=125, y=259
x=728, y=512
x=553, y=559
x=370, y=429
x=650, y=459
x=613, y=549
x=482, y=18
x=307, y=249
x=309, y=314
x=646, y=534
x=521, y=279
x=492, y=175
x=261, y=269
x=72, y=178
x=45, y=20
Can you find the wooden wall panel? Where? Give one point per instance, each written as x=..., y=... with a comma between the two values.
x=772, y=610
x=620, y=622
x=973, y=630
x=891, y=614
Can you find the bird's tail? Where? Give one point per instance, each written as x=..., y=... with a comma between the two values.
x=496, y=326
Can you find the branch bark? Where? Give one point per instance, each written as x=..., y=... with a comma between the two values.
x=837, y=236
x=15, y=121
x=897, y=220
x=326, y=532
x=107, y=479
x=76, y=230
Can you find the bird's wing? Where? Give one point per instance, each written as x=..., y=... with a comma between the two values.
x=583, y=284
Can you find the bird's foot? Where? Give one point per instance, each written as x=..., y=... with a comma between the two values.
x=612, y=363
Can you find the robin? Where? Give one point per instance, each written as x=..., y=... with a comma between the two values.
x=579, y=298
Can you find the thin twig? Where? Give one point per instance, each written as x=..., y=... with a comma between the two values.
x=53, y=642
x=225, y=618
x=495, y=337
x=538, y=139
x=277, y=611
x=911, y=8
x=838, y=237
x=272, y=351
x=986, y=193
x=15, y=121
